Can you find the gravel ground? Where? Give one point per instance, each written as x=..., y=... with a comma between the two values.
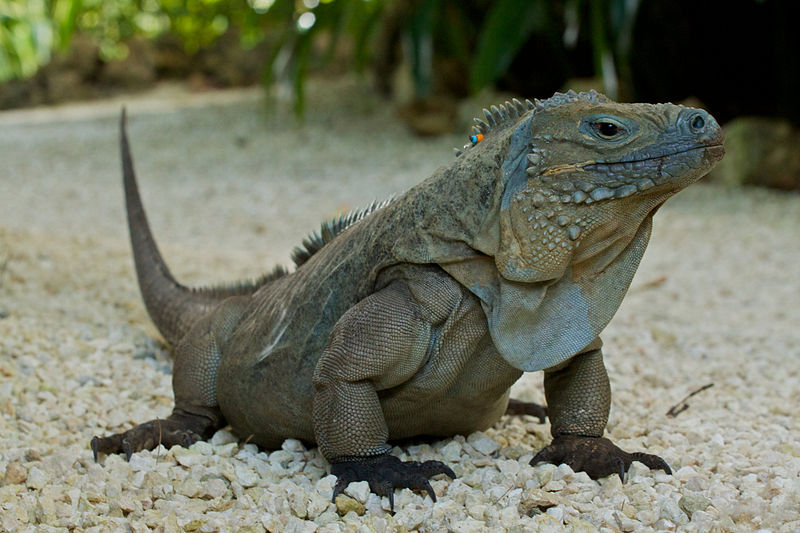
x=231, y=185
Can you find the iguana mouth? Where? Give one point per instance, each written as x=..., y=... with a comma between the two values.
x=629, y=176
x=631, y=164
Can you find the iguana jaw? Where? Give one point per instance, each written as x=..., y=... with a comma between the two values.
x=567, y=212
x=573, y=213
x=625, y=178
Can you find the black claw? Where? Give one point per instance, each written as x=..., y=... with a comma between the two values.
x=653, y=462
x=386, y=473
x=620, y=468
x=596, y=456
x=338, y=488
x=429, y=490
x=95, y=447
x=434, y=468
x=126, y=449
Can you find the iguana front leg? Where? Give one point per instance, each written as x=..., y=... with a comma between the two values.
x=380, y=343
x=579, y=398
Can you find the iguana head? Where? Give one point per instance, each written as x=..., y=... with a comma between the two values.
x=570, y=186
x=582, y=173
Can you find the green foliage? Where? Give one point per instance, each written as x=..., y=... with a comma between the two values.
x=26, y=37
x=508, y=25
x=64, y=19
x=504, y=26
x=315, y=22
x=30, y=30
x=305, y=34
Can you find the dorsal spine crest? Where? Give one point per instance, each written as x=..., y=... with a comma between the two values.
x=329, y=229
x=497, y=116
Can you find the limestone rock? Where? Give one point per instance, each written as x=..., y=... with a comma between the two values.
x=760, y=151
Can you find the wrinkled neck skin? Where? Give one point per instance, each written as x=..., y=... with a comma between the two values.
x=549, y=274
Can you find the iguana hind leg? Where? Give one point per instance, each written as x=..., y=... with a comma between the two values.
x=518, y=407
x=180, y=428
x=194, y=381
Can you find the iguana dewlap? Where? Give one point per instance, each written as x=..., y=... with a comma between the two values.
x=416, y=315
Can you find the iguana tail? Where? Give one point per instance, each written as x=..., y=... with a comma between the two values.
x=172, y=306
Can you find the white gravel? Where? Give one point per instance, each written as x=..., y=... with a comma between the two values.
x=231, y=185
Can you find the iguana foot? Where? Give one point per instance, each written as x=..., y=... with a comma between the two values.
x=386, y=473
x=517, y=407
x=179, y=428
x=597, y=456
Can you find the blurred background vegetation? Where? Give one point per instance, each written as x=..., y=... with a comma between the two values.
x=736, y=57
x=637, y=49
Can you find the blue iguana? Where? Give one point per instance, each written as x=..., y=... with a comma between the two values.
x=416, y=315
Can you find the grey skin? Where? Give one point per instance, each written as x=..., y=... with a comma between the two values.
x=415, y=316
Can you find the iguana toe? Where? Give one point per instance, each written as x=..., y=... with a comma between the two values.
x=386, y=473
x=144, y=437
x=653, y=462
x=182, y=430
x=597, y=456
x=518, y=407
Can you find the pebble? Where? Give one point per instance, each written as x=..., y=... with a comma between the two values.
x=36, y=479
x=142, y=462
x=280, y=458
x=451, y=452
x=15, y=474
x=246, y=476
x=411, y=517
x=562, y=472
x=625, y=523
x=359, y=490
x=188, y=456
x=214, y=488
x=692, y=502
x=223, y=437
x=485, y=445
x=226, y=450
x=346, y=504
x=671, y=511
x=296, y=525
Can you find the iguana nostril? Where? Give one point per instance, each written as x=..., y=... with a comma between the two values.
x=697, y=123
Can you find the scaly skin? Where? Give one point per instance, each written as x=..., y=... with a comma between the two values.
x=415, y=317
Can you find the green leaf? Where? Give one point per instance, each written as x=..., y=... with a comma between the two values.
x=509, y=24
x=419, y=34
x=302, y=53
x=64, y=17
x=365, y=24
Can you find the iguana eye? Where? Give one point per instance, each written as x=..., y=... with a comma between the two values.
x=608, y=130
